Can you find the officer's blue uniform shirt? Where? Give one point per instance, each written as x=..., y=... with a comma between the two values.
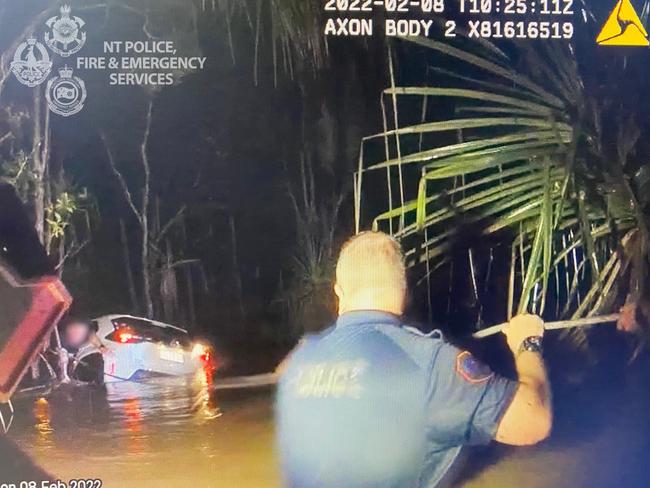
x=370, y=403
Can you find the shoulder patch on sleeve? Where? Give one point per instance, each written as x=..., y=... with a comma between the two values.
x=471, y=369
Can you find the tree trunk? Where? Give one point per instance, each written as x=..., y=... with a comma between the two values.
x=127, y=267
x=191, y=303
x=144, y=216
x=235, y=264
x=146, y=270
x=142, y=213
x=169, y=287
x=39, y=155
x=190, y=298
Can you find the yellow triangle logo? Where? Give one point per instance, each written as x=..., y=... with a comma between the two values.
x=623, y=27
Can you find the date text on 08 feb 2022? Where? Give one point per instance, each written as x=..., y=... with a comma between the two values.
x=75, y=483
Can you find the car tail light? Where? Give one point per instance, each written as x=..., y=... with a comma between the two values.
x=205, y=354
x=125, y=335
x=201, y=351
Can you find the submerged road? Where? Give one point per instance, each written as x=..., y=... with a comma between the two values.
x=171, y=433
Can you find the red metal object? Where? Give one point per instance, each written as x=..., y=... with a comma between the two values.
x=29, y=311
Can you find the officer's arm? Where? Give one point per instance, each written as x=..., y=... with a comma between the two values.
x=529, y=417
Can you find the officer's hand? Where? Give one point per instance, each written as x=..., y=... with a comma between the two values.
x=522, y=327
x=627, y=320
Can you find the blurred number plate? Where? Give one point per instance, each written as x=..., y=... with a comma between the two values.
x=172, y=355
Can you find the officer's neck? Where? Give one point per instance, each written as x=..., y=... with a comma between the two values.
x=391, y=308
x=380, y=300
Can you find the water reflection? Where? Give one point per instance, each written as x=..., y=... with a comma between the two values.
x=204, y=406
x=133, y=425
x=162, y=432
x=42, y=422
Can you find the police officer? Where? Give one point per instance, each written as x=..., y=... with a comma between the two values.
x=373, y=403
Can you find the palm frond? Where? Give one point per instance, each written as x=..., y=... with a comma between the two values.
x=520, y=162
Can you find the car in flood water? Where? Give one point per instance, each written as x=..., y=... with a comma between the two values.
x=135, y=347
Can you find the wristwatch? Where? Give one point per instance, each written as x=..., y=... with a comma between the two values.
x=532, y=344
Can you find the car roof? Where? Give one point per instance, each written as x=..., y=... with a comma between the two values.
x=153, y=322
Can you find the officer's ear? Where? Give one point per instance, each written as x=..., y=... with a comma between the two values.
x=338, y=291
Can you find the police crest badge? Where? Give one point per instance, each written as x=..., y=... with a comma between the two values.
x=65, y=93
x=65, y=37
x=471, y=369
x=31, y=64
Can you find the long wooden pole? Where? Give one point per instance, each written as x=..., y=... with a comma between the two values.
x=267, y=379
x=562, y=324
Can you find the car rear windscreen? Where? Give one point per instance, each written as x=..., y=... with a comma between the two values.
x=153, y=332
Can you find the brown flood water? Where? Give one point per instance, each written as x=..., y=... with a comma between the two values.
x=166, y=433
x=170, y=433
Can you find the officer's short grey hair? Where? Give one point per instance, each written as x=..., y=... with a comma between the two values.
x=371, y=260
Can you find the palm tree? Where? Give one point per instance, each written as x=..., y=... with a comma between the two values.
x=543, y=160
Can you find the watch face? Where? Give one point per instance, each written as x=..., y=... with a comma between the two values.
x=533, y=344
